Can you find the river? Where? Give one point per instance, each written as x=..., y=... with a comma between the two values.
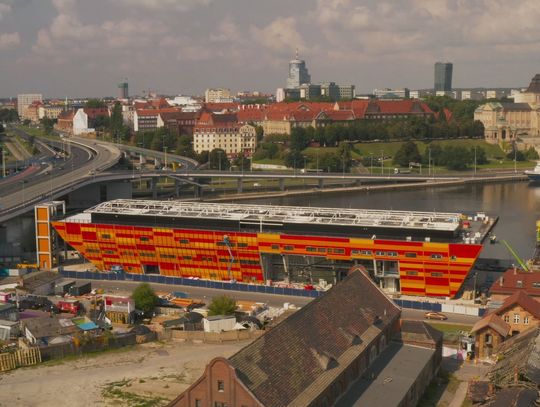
x=516, y=203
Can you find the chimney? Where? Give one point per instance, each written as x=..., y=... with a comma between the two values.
x=501, y=280
x=515, y=270
x=516, y=375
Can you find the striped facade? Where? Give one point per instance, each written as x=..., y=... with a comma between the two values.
x=425, y=268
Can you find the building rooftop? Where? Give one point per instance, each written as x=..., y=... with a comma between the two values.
x=266, y=214
x=293, y=362
x=394, y=372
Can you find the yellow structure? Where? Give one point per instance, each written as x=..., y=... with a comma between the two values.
x=45, y=247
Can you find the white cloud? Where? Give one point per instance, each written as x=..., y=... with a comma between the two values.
x=9, y=40
x=165, y=5
x=281, y=34
x=4, y=9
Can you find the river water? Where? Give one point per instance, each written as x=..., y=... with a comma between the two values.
x=516, y=203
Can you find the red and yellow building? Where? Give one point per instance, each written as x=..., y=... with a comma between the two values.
x=418, y=253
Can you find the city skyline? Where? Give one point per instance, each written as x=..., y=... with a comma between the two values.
x=72, y=48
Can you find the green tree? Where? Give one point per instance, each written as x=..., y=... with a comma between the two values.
x=294, y=159
x=531, y=154
x=299, y=139
x=145, y=298
x=408, y=153
x=184, y=146
x=94, y=103
x=48, y=125
x=241, y=162
x=222, y=305
x=456, y=158
x=217, y=159
x=481, y=156
x=344, y=155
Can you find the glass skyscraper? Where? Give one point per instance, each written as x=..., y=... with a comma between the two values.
x=298, y=73
x=443, y=76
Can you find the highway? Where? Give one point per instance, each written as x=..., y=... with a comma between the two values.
x=91, y=156
x=206, y=294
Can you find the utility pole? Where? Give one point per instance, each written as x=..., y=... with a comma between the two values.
x=429, y=162
x=515, y=158
x=475, y=161
x=382, y=162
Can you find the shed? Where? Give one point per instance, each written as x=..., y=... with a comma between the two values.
x=9, y=312
x=63, y=287
x=219, y=323
x=39, y=283
x=8, y=330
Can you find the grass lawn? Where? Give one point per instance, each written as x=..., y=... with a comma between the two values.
x=451, y=332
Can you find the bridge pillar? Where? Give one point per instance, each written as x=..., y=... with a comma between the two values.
x=198, y=191
x=282, y=184
x=321, y=183
x=119, y=190
x=153, y=185
x=86, y=196
x=177, y=187
x=239, y=185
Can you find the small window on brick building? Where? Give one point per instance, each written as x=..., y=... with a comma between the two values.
x=198, y=403
x=220, y=385
x=516, y=318
x=519, y=284
x=526, y=320
x=506, y=318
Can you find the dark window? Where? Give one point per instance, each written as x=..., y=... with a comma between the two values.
x=321, y=250
x=184, y=241
x=392, y=254
x=145, y=238
x=355, y=251
x=105, y=236
x=437, y=256
x=310, y=249
x=366, y=252
x=339, y=251
x=242, y=245
x=275, y=247
x=220, y=385
x=289, y=248
x=536, y=284
x=198, y=403
x=379, y=253
x=436, y=274
x=412, y=273
x=411, y=255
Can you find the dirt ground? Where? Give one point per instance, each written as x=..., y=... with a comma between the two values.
x=145, y=375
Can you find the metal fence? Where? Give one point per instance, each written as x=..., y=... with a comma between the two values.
x=219, y=285
x=225, y=285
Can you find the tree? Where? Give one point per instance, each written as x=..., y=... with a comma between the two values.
x=48, y=124
x=344, y=155
x=145, y=298
x=531, y=154
x=94, y=103
x=222, y=305
x=294, y=159
x=481, y=157
x=217, y=160
x=408, y=153
x=242, y=162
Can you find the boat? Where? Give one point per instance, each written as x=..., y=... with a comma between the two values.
x=534, y=175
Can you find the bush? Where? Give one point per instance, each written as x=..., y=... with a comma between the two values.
x=222, y=305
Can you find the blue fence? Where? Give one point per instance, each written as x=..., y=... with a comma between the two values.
x=219, y=285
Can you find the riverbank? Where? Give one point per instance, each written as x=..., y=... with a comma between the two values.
x=430, y=183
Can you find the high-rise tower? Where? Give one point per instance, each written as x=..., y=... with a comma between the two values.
x=443, y=76
x=123, y=90
x=298, y=73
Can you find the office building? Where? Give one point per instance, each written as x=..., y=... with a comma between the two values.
x=123, y=90
x=443, y=76
x=24, y=100
x=388, y=93
x=298, y=73
x=218, y=95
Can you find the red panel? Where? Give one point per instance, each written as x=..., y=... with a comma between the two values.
x=73, y=228
x=315, y=239
x=169, y=234
x=89, y=236
x=470, y=251
x=398, y=243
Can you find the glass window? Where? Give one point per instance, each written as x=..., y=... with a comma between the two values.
x=411, y=255
x=516, y=318
x=506, y=318
x=526, y=320
x=220, y=385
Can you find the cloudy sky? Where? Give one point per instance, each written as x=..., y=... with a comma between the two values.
x=84, y=47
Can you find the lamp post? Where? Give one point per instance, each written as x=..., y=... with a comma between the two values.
x=343, y=166
x=515, y=158
x=371, y=163
x=3, y=163
x=317, y=160
x=475, y=161
x=382, y=162
x=429, y=162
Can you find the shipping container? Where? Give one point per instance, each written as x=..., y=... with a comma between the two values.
x=80, y=289
x=63, y=287
x=72, y=307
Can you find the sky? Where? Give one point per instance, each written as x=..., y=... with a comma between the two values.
x=83, y=48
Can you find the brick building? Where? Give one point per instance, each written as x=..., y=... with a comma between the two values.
x=514, y=280
x=518, y=313
x=322, y=354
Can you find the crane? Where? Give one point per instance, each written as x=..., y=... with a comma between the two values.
x=514, y=254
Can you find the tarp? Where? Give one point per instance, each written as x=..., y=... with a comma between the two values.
x=87, y=326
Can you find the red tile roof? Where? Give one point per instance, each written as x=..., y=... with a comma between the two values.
x=94, y=112
x=220, y=107
x=524, y=301
x=493, y=321
x=250, y=115
x=516, y=280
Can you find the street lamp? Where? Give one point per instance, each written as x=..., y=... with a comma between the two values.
x=382, y=162
x=429, y=162
x=317, y=160
x=515, y=158
x=371, y=163
x=475, y=161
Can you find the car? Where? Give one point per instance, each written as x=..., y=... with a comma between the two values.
x=435, y=315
